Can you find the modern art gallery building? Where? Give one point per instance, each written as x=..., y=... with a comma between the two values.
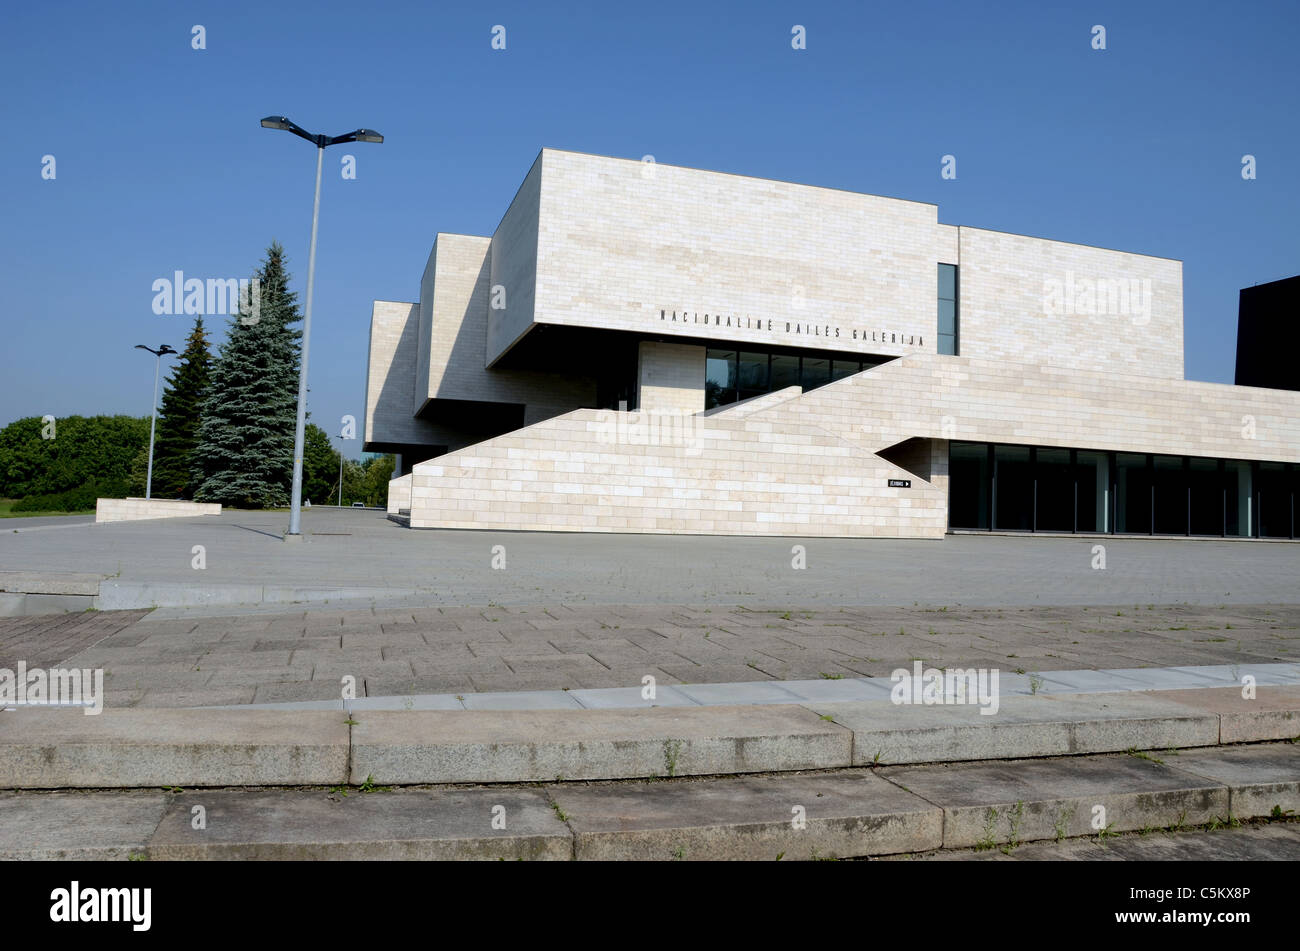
x=648, y=348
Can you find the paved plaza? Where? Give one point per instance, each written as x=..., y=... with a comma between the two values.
x=425, y=612
x=300, y=654
x=362, y=555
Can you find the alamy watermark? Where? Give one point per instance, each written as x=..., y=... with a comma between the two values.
x=659, y=427
x=975, y=685
x=58, y=687
x=215, y=295
x=1113, y=296
x=78, y=903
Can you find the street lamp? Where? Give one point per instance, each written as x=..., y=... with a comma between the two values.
x=321, y=142
x=158, y=355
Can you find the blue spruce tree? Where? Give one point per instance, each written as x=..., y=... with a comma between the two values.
x=244, y=455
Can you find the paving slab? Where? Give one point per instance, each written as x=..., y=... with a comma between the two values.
x=419, y=825
x=739, y=693
x=987, y=804
x=540, y=745
x=62, y=826
x=615, y=698
x=1089, y=681
x=408, y=686
x=43, y=748
x=1272, y=674
x=1259, y=777
x=253, y=676
x=1272, y=714
x=199, y=697
x=1043, y=725
x=292, y=691
x=521, y=700
x=754, y=818
x=1169, y=678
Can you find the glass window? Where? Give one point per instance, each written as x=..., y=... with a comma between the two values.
x=785, y=371
x=752, y=376
x=1238, y=498
x=1013, y=489
x=1132, y=494
x=948, y=281
x=816, y=372
x=1169, y=495
x=1274, y=488
x=948, y=314
x=719, y=378
x=1052, y=489
x=1054, y=497
x=968, y=485
x=842, y=368
x=1205, y=496
x=948, y=317
x=1295, y=500
x=1092, y=481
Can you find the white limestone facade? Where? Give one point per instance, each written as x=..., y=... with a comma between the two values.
x=647, y=348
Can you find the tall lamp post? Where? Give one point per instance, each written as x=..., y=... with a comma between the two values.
x=158, y=355
x=321, y=142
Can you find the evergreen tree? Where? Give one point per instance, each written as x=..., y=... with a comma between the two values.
x=244, y=456
x=320, y=467
x=178, y=418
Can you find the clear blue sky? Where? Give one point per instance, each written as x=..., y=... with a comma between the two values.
x=162, y=166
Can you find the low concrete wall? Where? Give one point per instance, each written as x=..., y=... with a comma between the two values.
x=124, y=510
x=399, y=494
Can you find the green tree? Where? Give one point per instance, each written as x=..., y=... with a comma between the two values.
x=178, y=418
x=47, y=457
x=137, y=478
x=354, y=478
x=320, y=467
x=244, y=455
x=379, y=472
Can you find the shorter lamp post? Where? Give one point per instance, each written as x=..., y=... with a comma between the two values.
x=158, y=355
x=340, y=438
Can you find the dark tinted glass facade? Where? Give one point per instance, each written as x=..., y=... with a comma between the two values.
x=734, y=375
x=1268, y=335
x=1051, y=489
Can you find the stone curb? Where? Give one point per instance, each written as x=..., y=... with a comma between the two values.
x=47, y=748
x=120, y=596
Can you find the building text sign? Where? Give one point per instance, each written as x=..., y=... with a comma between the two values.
x=801, y=328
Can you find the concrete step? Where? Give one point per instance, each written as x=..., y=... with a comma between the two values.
x=117, y=595
x=1270, y=841
x=26, y=593
x=56, y=748
x=49, y=748
x=537, y=745
x=832, y=814
x=50, y=582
